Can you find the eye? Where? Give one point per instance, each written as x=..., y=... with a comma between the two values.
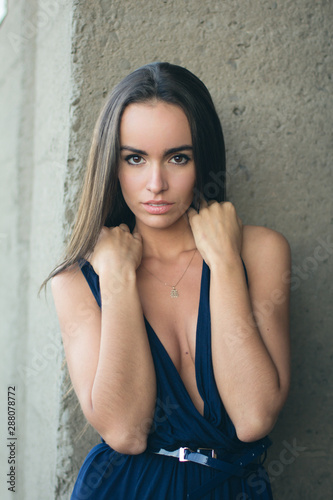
x=134, y=159
x=180, y=159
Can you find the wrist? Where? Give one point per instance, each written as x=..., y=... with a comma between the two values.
x=113, y=277
x=226, y=261
x=116, y=287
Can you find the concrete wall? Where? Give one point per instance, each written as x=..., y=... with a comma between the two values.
x=35, y=83
x=268, y=66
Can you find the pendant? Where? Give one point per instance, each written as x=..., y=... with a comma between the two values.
x=174, y=293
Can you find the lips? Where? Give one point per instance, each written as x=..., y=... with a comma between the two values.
x=157, y=207
x=157, y=202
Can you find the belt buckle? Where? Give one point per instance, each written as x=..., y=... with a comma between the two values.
x=213, y=452
x=182, y=454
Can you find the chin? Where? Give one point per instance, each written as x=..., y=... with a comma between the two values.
x=158, y=221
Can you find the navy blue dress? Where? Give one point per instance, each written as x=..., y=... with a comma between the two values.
x=109, y=475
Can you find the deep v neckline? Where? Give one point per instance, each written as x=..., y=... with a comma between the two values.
x=196, y=354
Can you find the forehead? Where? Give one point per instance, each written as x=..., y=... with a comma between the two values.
x=154, y=124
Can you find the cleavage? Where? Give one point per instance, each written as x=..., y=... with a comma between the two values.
x=174, y=322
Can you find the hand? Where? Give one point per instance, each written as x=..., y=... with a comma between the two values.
x=217, y=230
x=116, y=247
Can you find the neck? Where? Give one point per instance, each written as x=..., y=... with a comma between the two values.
x=166, y=244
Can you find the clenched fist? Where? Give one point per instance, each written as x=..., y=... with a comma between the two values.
x=118, y=247
x=217, y=230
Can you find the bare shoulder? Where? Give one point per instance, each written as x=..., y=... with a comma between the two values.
x=67, y=278
x=265, y=249
x=260, y=240
x=70, y=287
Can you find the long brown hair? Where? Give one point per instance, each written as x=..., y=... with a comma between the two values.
x=102, y=203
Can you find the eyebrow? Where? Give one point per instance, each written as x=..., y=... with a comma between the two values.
x=184, y=147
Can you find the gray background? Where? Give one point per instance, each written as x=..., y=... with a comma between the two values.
x=268, y=66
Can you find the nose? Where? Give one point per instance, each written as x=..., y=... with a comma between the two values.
x=157, y=179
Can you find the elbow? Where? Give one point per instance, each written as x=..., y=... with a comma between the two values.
x=126, y=443
x=124, y=439
x=255, y=428
x=122, y=435
x=256, y=423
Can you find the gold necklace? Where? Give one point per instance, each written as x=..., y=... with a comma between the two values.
x=174, y=292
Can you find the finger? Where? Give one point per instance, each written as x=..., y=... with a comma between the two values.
x=191, y=212
x=211, y=202
x=124, y=227
x=137, y=236
x=203, y=204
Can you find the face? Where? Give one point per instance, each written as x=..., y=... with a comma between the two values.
x=156, y=171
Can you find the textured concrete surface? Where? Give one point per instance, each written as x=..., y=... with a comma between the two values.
x=268, y=65
x=34, y=121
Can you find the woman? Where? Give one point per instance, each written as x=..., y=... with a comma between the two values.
x=174, y=316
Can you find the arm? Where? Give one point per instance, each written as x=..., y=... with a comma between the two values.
x=108, y=352
x=250, y=337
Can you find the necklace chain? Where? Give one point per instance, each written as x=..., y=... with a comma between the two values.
x=174, y=292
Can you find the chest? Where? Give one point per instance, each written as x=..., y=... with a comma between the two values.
x=174, y=321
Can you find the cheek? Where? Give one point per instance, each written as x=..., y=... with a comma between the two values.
x=127, y=184
x=185, y=184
